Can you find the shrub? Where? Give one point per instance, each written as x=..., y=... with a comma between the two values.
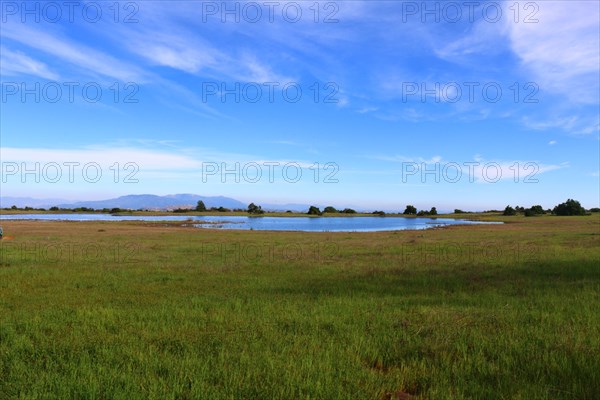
x=509, y=211
x=534, y=210
x=410, y=210
x=200, y=206
x=254, y=209
x=570, y=207
x=314, y=211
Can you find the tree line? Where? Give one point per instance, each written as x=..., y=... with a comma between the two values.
x=569, y=207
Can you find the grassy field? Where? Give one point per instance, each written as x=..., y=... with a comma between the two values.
x=133, y=310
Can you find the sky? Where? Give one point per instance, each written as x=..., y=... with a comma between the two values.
x=364, y=104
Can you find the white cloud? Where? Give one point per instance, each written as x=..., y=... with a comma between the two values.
x=90, y=59
x=562, y=49
x=145, y=159
x=483, y=38
x=552, y=142
x=17, y=63
x=478, y=170
x=575, y=124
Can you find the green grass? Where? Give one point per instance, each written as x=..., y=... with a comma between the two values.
x=131, y=310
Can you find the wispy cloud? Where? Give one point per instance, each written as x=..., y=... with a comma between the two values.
x=479, y=169
x=17, y=63
x=576, y=124
x=64, y=50
x=561, y=50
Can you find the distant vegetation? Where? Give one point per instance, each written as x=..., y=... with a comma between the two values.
x=410, y=210
x=200, y=206
x=570, y=207
x=254, y=209
x=313, y=210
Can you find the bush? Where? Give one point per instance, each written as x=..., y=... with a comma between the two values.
x=348, y=211
x=330, y=209
x=570, y=207
x=458, y=211
x=200, y=206
x=410, y=210
x=314, y=211
x=254, y=209
x=509, y=211
x=380, y=213
x=534, y=210
x=538, y=209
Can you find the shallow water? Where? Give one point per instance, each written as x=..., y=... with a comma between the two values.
x=304, y=224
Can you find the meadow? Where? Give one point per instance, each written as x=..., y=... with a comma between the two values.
x=134, y=310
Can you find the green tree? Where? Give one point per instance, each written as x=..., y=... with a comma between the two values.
x=534, y=210
x=254, y=209
x=200, y=206
x=410, y=210
x=570, y=207
x=509, y=211
x=433, y=211
x=314, y=211
x=348, y=211
x=330, y=209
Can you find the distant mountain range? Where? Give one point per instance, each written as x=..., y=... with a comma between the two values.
x=146, y=201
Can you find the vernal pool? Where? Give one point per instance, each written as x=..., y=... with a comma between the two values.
x=303, y=224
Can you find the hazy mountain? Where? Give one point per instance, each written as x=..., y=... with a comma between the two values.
x=151, y=201
x=6, y=202
x=148, y=201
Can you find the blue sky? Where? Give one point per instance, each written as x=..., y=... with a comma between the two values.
x=368, y=93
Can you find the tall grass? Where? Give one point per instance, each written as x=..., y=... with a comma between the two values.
x=138, y=310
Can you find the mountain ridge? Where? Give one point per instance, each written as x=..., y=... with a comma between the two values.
x=145, y=201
